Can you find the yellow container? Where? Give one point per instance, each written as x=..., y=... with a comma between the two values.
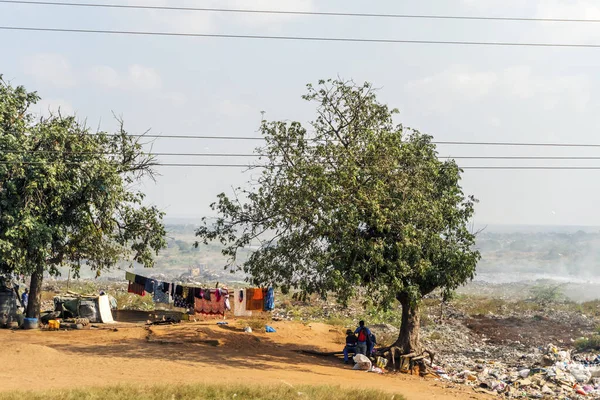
x=52, y=324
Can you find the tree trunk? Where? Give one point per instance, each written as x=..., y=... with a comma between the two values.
x=35, y=293
x=409, y=340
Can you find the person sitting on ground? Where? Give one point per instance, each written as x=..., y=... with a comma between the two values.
x=364, y=339
x=351, y=342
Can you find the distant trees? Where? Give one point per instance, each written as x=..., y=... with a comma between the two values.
x=68, y=197
x=354, y=204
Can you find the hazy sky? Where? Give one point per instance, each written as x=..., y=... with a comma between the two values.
x=197, y=86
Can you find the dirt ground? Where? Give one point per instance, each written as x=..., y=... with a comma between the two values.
x=199, y=352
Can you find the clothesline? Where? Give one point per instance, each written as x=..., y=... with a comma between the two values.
x=202, y=300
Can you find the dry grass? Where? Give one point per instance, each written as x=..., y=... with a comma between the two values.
x=205, y=392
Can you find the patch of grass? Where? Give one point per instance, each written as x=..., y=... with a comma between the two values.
x=585, y=344
x=206, y=392
x=338, y=320
x=129, y=301
x=546, y=294
x=257, y=324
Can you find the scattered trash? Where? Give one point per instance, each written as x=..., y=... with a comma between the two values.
x=248, y=329
x=222, y=323
x=270, y=329
x=562, y=377
x=362, y=362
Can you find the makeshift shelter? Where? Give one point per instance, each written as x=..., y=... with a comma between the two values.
x=96, y=309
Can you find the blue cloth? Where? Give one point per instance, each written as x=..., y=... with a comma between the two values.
x=160, y=296
x=367, y=331
x=150, y=285
x=24, y=299
x=269, y=303
x=270, y=329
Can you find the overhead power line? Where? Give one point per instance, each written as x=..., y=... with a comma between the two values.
x=300, y=38
x=299, y=12
x=236, y=155
x=444, y=142
x=487, y=167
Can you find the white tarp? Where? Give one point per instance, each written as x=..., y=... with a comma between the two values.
x=239, y=307
x=104, y=309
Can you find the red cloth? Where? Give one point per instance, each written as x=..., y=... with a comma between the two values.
x=136, y=288
x=214, y=306
x=254, y=299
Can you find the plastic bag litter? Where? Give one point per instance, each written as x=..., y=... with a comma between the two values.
x=362, y=362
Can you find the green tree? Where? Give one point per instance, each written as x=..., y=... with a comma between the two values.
x=355, y=205
x=67, y=195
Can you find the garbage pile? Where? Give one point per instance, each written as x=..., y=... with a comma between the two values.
x=552, y=374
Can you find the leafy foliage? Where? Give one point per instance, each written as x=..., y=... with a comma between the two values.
x=354, y=202
x=66, y=195
x=545, y=294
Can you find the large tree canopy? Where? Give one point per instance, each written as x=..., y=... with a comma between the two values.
x=67, y=195
x=353, y=203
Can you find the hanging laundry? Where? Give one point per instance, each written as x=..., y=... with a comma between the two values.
x=254, y=299
x=140, y=280
x=239, y=305
x=161, y=297
x=165, y=287
x=258, y=294
x=179, y=290
x=207, y=294
x=179, y=301
x=198, y=293
x=150, y=285
x=190, y=297
x=136, y=288
x=130, y=276
x=270, y=299
x=218, y=294
x=226, y=301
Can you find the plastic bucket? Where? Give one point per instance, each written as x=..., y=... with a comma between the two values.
x=30, y=323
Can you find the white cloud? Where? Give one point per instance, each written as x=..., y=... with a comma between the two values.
x=176, y=99
x=267, y=19
x=46, y=107
x=144, y=78
x=105, y=76
x=230, y=108
x=571, y=9
x=460, y=85
x=204, y=22
x=460, y=80
x=50, y=68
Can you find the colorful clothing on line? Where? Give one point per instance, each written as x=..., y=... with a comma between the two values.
x=179, y=301
x=136, y=288
x=150, y=285
x=161, y=297
x=179, y=290
x=140, y=280
x=270, y=299
x=203, y=306
x=239, y=305
x=254, y=299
